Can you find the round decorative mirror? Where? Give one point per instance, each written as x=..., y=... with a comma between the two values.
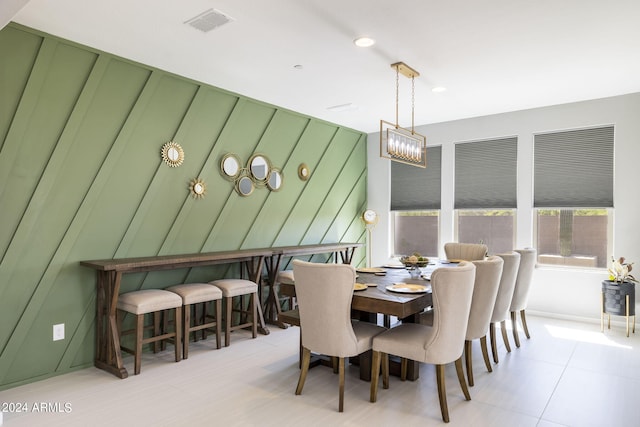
x=172, y=154
x=275, y=180
x=244, y=186
x=259, y=166
x=230, y=166
x=198, y=188
x=303, y=172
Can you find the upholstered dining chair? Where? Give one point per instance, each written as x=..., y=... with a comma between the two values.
x=465, y=251
x=503, y=301
x=485, y=290
x=521, y=291
x=324, y=293
x=439, y=344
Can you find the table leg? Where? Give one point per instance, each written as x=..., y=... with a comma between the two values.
x=272, y=308
x=108, y=353
x=254, y=269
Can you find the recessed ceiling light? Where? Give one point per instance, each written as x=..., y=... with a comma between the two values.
x=438, y=89
x=364, y=42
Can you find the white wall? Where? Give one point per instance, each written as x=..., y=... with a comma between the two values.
x=574, y=293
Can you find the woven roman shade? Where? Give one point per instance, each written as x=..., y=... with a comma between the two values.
x=414, y=188
x=574, y=169
x=486, y=174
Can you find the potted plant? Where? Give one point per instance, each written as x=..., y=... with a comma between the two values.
x=618, y=292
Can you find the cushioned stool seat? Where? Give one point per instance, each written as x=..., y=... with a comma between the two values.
x=285, y=277
x=197, y=293
x=153, y=301
x=233, y=288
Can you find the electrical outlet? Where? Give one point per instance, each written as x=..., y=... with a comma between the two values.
x=58, y=332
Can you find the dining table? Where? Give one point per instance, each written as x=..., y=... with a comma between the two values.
x=391, y=290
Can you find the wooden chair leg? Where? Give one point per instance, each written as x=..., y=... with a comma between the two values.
x=442, y=393
x=218, y=322
x=228, y=320
x=178, y=337
x=494, y=345
x=139, y=336
x=254, y=314
x=186, y=323
x=403, y=369
x=334, y=365
x=524, y=324
x=306, y=358
x=468, y=360
x=385, y=371
x=341, y=384
x=463, y=383
x=375, y=374
x=505, y=338
x=485, y=353
x=514, y=328
x=158, y=317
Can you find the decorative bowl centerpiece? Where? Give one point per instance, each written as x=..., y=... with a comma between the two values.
x=414, y=261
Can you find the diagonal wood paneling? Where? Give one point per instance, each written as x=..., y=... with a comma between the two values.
x=81, y=178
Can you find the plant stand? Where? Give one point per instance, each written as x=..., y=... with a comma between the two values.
x=618, y=299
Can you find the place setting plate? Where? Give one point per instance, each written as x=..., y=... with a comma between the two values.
x=360, y=287
x=407, y=288
x=394, y=266
x=370, y=270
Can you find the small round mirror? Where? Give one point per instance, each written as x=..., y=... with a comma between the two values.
x=303, y=172
x=275, y=180
x=230, y=166
x=172, y=154
x=259, y=166
x=244, y=186
x=198, y=188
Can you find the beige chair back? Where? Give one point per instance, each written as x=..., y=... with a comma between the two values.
x=324, y=293
x=452, y=289
x=465, y=251
x=485, y=291
x=507, y=285
x=524, y=279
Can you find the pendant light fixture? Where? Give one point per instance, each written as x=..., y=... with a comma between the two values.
x=397, y=143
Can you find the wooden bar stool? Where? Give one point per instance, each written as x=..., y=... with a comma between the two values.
x=286, y=277
x=193, y=294
x=147, y=301
x=239, y=287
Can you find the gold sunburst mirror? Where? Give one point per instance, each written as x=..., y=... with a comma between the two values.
x=172, y=154
x=198, y=188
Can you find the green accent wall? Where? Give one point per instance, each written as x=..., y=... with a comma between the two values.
x=81, y=177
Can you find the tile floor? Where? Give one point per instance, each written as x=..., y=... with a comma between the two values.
x=568, y=374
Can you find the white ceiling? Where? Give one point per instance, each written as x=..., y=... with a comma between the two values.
x=492, y=56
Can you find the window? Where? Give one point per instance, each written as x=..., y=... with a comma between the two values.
x=415, y=202
x=573, y=196
x=494, y=228
x=573, y=237
x=416, y=231
x=486, y=192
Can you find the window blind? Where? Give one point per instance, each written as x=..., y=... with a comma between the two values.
x=486, y=174
x=414, y=188
x=574, y=168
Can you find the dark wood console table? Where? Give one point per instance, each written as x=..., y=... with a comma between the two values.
x=109, y=276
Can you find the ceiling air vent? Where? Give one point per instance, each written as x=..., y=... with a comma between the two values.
x=209, y=20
